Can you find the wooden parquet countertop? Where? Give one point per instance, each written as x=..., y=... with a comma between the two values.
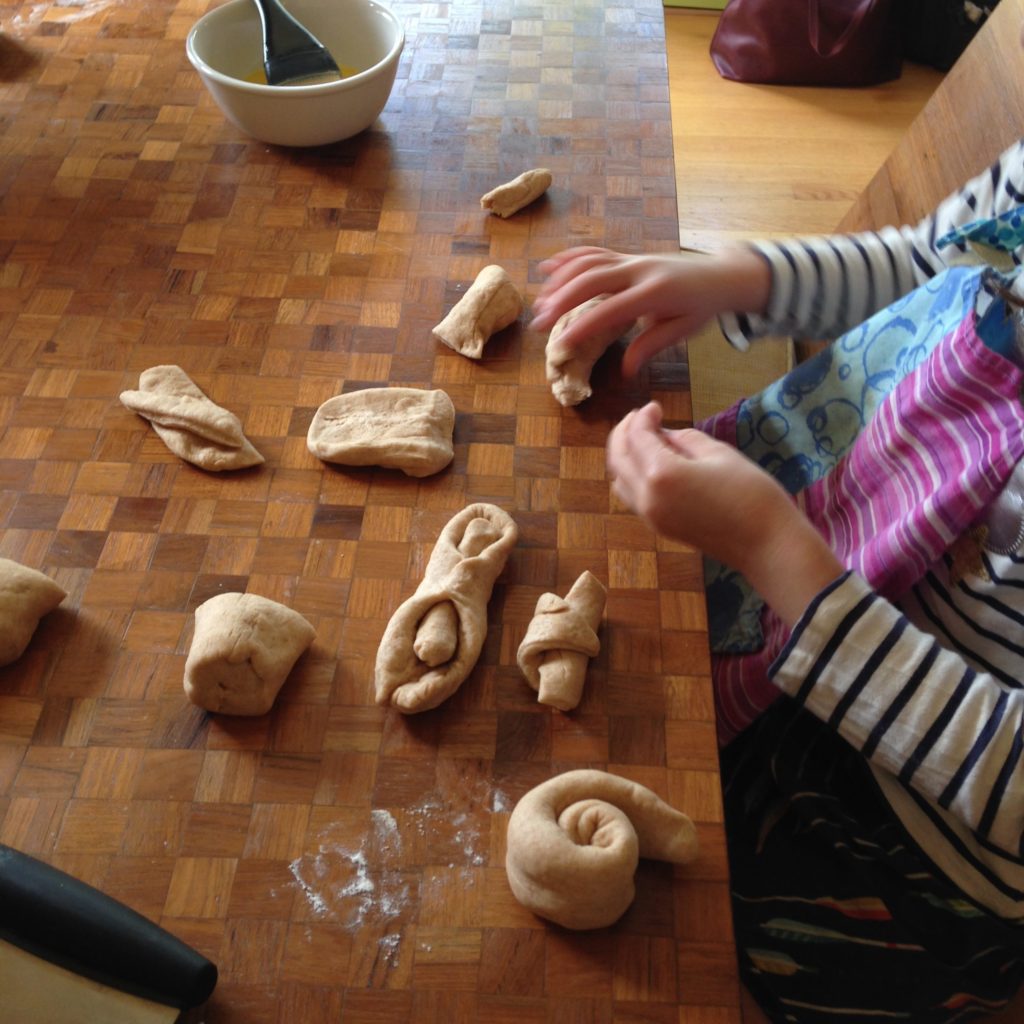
x=338, y=861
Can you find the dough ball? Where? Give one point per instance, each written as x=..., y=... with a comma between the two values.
x=26, y=595
x=242, y=650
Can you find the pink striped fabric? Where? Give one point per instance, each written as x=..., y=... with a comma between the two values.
x=937, y=452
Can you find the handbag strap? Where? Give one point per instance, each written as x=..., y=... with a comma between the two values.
x=864, y=7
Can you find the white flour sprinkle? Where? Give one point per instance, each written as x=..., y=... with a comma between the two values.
x=352, y=882
x=358, y=880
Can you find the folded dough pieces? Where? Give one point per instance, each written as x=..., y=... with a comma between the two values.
x=491, y=303
x=560, y=640
x=568, y=369
x=400, y=428
x=242, y=650
x=25, y=597
x=574, y=842
x=435, y=637
x=519, y=192
x=194, y=428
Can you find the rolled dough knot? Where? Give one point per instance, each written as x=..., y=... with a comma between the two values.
x=491, y=303
x=574, y=842
x=26, y=595
x=434, y=638
x=190, y=424
x=242, y=650
x=568, y=369
x=561, y=638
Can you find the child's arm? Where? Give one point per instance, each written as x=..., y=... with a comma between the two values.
x=825, y=285
x=815, y=287
x=954, y=735
x=912, y=707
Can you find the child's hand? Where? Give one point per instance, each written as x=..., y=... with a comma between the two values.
x=691, y=488
x=672, y=296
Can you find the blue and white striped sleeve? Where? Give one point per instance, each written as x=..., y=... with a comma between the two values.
x=911, y=707
x=825, y=285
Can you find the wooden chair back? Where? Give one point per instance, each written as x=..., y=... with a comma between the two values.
x=974, y=114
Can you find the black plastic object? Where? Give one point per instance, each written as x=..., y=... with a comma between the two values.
x=936, y=32
x=291, y=53
x=59, y=919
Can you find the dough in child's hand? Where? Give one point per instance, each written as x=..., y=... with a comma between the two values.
x=491, y=303
x=519, y=192
x=568, y=369
x=25, y=597
x=574, y=842
x=242, y=650
x=560, y=640
x=399, y=428
x=435, y=637
x=193, y=427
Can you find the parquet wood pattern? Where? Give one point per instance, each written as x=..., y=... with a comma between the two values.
x=339, y=862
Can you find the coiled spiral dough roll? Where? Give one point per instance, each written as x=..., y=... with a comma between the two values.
x=574, y=842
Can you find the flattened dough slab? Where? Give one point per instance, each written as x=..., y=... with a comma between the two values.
x=399, y=428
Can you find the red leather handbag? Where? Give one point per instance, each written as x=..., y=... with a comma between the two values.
x=809, y=42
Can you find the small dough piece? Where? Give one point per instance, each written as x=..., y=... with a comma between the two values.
x=435, y=637
x=26, y=595
x=491, y=303
x=399, y=428
x=193, y=427
x=574, y=842
x=568, y=370
x=243, y=648
x=560, y=640
x=519, y=192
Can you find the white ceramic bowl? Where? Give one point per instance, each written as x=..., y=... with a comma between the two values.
x=226, y=47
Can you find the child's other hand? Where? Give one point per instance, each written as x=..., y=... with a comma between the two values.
x=692, y=488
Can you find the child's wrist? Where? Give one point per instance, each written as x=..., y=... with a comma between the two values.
x=791, y=566
x=748, y=279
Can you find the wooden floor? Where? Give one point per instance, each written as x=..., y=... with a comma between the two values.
x=757, y=161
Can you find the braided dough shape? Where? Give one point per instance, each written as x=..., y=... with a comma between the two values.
x=435, y=637
x=26, y=595
x=491, y=303
x=561, y=638
x=190, y=424
x=399, y=428
x=519, y=192
x=568, y=369
x=242, y=650
x=574, y=842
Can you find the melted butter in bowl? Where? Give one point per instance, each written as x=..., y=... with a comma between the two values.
x=259, y=77
x=365, y=38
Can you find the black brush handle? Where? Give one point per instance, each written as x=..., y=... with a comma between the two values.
x=60, y=919
x=282, y=33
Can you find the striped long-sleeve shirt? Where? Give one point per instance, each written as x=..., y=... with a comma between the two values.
x=822, y=286
x=941, y=724
x=931, y=691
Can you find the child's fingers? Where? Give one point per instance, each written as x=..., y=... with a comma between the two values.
x=552, y=263
x=661, y=334
x=572, y=284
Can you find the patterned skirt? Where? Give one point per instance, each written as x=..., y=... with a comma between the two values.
x=838, y=916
